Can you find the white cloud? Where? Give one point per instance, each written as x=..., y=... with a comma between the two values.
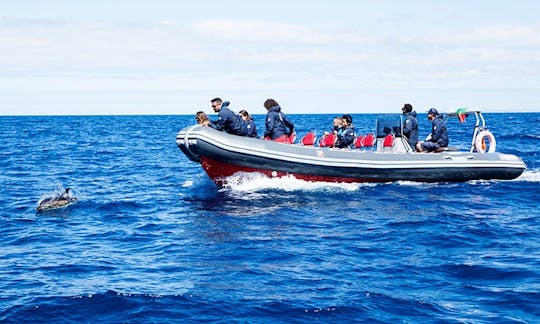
x=281, y=33
x=260, y=56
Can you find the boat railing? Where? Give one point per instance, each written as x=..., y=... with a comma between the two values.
x=479, y=126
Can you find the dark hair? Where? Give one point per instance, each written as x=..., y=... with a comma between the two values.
x=244, y=113
x=216, y=99
x=269, y=103
x=348, y=118
x=433, y=111
x=407, y=108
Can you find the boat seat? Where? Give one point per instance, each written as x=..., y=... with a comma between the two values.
x=309, y=139
x=328, y=140
x=358, y=141
x=291, y=138
x=369, y=140
x=388, y=140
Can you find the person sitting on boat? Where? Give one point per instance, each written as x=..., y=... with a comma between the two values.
x=438, y=137
x=250, y=124
x=278, y=127
x=337, y=125
x=345, y=134
x=410, y=125
x=202, y=119
x=227, y=120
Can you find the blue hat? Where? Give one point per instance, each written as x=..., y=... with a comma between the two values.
x=433, y=111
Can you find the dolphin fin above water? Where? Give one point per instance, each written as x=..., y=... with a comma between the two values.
x=58, y=201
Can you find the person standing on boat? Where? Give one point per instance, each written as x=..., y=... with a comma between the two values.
x=410, y=125
x=250, y=124
x=278, y=127
x=227, y=120
x=346, y=135
x=438, y=137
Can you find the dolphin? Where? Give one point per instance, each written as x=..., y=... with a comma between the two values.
x=59, y=201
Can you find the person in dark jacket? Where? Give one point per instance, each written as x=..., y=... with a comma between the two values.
x=250, y=124
x=346, y=134
x=227, y=120
x=438, y=137
x=278, y=127
x=410, y=125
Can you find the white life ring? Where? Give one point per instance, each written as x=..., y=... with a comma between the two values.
x=480, y=143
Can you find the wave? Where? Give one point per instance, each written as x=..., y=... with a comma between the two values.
x=517, y=136
x=529, y=176
x=253, y=182
x=373, y=305
x=113, y=306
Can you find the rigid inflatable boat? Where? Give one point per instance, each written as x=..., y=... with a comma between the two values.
x=389, y=159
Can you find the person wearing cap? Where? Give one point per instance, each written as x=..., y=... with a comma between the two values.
x=438, y=137
x=410, y=125
x=345, y=135
x=227, y=120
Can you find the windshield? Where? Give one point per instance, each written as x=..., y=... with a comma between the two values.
x=389, y=124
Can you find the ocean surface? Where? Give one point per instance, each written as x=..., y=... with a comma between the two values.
x=153, y=240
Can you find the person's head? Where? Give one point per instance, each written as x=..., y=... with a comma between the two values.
x=338, y=122
x=201, y=118
x=269, y=103
x=216, y=104
x=245, y=115
x=347, y=119
x=432, y=113
x=407, y=108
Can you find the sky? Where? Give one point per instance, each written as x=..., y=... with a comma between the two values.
x=119, y=57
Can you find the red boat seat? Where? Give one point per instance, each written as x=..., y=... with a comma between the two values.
x=388, y=140
x=292, y=138
x=359, y=141
x=309, y=139
x=369, y=140
x=328, y=140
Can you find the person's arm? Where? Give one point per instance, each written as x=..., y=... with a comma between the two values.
x=270, y=120
x=437, y=129
x=219, y=124
x=407, y=127
x=289, y=124
x=348, y=137
x=252, y=130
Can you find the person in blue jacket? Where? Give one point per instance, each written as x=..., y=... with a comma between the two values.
x=278, y=127
x=227, y=120
x=438, y=137
x=346, y=134
x=250, y=124
x=410, y=125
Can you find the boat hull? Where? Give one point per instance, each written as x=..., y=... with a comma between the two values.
x=222, y=155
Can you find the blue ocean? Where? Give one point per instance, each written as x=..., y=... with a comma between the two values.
x=152, y=240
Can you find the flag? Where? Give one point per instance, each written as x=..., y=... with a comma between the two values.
x=461, y=114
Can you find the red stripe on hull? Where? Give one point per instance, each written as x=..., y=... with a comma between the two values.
x=219, y=171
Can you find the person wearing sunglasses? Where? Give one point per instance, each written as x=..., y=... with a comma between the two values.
x=227, y=120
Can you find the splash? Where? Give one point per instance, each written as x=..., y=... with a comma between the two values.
x=418, y=184
x=187, y=183
x=253, y=182
x=61, y=198
x=59, y=189
x=529, y=176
